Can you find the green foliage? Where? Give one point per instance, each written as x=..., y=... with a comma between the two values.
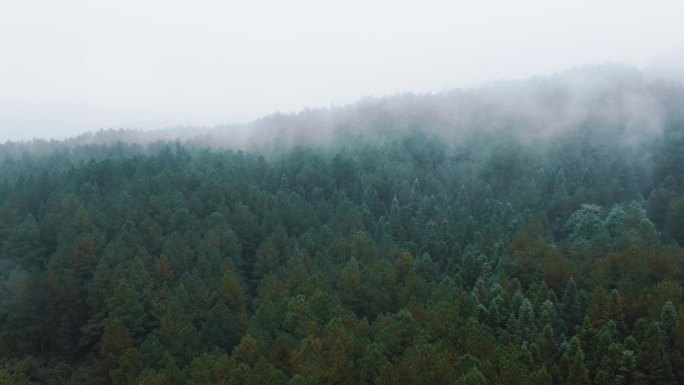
x=406, y=260
x=654, y=366
x=585, y=225
x=669, y=323
x=473, y=377
x=576, y=371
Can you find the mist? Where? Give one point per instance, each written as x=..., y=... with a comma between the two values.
x=74, y=67
x=611, y=100
x=352, y=193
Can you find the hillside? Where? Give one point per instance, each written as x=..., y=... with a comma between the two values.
x=523, y=232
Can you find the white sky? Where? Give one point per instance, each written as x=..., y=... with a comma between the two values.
x=72, y=66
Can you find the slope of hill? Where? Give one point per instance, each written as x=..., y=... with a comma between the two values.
x=525, y=232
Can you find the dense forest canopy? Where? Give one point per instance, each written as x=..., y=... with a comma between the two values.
x=523, y=233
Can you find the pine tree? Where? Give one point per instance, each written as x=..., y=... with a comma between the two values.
x=221, y=329
x=669, y=321
x=527, y=321
x=548, y=346
x=576, y=372
x=571, y=305
x=616, y=312
x=115, y=341
x=473, y=377
x=539, y=377
x=547, y=313
x=23, y=246
x=654, y=366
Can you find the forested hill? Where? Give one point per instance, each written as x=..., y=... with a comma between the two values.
x=524, y=233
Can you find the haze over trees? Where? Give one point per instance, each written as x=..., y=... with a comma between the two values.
x=523, y=233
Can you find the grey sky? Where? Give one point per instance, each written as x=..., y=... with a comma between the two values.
x=72, y=66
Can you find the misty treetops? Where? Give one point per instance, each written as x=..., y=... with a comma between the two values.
x=526, y=233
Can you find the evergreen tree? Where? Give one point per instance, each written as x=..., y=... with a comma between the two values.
x=654, y=366
x=571, y=305
x=577, y=373
x=527, y=321
x=669, y=321
x=473, y=377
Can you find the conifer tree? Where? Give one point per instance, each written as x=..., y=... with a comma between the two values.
x=654, y=366
x=669, y=321
x=527, y=321
x=576, y=371
x=571, y=305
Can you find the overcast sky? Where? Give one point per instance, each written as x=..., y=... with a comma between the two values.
x=72, y=66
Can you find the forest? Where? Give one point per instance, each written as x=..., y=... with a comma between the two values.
x=459, y=239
